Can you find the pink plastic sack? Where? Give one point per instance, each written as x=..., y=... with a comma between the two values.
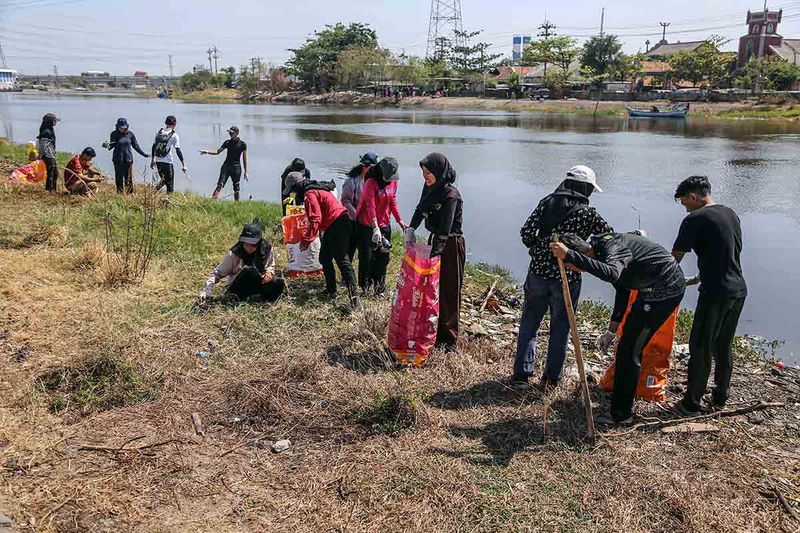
x=415, y=309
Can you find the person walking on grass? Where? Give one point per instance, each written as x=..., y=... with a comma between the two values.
x=165, y=142
x=297, y=165
x=230, y=167
x=122, y=141
x=46, y=141
x=374, y=229
x=326, y=215
x=250, y=269
x=351, y=194
x=628, y=261
x=79, y=176
x=441, y=207
x=566, y=210
x=714, y=233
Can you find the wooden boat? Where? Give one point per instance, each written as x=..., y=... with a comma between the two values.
x=673, y=112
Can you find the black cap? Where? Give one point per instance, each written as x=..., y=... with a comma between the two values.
x=251, y=234
x=234, y=129
x=388, y=166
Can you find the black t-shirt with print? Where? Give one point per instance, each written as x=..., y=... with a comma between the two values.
x=235, y=148
x=714, y=233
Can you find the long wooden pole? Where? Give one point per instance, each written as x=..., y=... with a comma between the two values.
x=576, y=342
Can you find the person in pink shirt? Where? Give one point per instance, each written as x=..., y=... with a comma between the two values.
x=374, y=231
x=326, y=216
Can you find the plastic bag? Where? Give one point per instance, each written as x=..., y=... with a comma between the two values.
x=301, y=262
x=35, y=172
x=653, y=377
x=33, y=152
x=415, y=308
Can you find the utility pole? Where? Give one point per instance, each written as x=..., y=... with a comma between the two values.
x=210, y=66
x=171, y=72
x=664, y=31
x=216, y=56
x=602, y=20
x=55, y=74
x=547, y=28
x=2, y=57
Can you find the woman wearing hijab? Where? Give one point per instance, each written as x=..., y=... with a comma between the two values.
x=374, y=228
x=441, y=207
x=297, y=165
x=47, y=149
x=566, y=210
x=121, y=141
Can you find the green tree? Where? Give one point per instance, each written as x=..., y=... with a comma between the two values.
x=560, y=52
x=601, y=54
x=749, y=76
x=515, y=84
x=704, y=64
x=781, y=75
x=315, y=62
x=627, y=66
x=472, y=58
x=359, y=65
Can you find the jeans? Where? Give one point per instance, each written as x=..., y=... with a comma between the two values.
x=541, y=295
x=52, y=173
x=335, y=245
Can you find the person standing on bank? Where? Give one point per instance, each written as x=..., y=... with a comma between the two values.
x=166, y=140
x=328, y=216
x=566, y=210
x=230, y=167
x=714, y=233
x=351, y=194
x=374, y=228
x=441, y=207
x=297, y=165
x=122, y=141
x=47, y=149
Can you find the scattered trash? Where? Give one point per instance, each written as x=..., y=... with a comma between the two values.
x=212, y=345
x=691, y=427
x=5, y=521
x=281, y=446
x=202, y=354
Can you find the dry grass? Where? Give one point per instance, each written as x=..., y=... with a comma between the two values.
x=448, y=447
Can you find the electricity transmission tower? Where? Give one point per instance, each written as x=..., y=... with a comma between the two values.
x=2, y=57
x=445, y=26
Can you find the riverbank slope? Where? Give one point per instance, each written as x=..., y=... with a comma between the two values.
x=123, y=407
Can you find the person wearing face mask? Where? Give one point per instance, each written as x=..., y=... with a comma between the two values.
x=122, y=141
x=441, y=207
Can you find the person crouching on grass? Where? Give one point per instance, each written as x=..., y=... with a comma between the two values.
x=250, y=269
x=628, y=261
x=79, y=175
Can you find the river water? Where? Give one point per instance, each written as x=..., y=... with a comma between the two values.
x=506, y=162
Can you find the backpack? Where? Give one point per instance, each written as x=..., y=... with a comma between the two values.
x=161, y=144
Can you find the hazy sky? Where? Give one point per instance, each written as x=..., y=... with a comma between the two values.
x=123, y=36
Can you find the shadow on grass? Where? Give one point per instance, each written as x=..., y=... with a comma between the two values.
x=488, y=393
x=364, y=362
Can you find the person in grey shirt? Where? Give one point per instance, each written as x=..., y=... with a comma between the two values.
x=351, y=192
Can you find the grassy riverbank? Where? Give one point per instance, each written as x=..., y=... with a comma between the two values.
x=102, y=373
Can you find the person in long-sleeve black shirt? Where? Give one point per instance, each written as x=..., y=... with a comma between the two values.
x=121, y=141
x=629, y=262
x=441, y=207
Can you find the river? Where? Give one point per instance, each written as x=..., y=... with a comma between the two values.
x=506, y=162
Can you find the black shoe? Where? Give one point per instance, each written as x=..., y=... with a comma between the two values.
x=255, y=299
x=546, y=386
x=680, y=409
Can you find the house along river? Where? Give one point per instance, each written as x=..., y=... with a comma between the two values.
x=506, y=162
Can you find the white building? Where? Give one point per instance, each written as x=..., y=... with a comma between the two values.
x=8, y=79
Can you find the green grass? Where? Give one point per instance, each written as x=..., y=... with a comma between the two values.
x=760, y=112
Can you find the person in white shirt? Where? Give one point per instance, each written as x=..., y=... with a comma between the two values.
x=161, y=154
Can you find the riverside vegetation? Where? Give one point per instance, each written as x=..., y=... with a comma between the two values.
x=124, y=407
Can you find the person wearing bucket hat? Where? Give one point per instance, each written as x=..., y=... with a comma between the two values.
x=566, y=210
x=122, y=141
x=352, y=188
x=374, y=229
x=237, y=149
x=250, y=269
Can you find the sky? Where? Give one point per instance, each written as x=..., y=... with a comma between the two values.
x=123, y=36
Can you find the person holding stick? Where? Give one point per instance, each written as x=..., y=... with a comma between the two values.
x=629, y=261
x=80, y=177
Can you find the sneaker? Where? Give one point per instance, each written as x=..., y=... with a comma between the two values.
x=681, y=410
x=519, y=383
x=625, y=422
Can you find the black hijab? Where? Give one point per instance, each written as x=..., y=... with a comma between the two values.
x=569, y=197
x=375, y=173
x=47, y=130
x=445, y=175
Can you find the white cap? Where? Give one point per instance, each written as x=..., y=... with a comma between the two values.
x=584, y=174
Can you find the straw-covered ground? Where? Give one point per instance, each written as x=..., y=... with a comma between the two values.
x=123, y=407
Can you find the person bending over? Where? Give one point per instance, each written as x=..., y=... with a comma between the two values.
x=80, y=177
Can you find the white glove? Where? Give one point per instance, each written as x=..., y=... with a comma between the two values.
x=202, y=297
x=410, y=237
x=605, y=340
x=184, y=169
x=376, y=235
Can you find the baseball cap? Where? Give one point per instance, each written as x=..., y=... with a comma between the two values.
x=251, y=234
x=293, y=179
x=234, y=129
x=584, y=174
x=370, y=158
x=388, y=166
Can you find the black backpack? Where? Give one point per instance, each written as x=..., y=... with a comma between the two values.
x=161, y=144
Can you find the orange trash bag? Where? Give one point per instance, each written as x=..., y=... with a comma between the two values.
x=655, y=361
x=35, y=172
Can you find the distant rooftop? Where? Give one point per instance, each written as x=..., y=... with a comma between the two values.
x=666, y=49
x=789, y=50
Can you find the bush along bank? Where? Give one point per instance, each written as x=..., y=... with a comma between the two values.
x=126, y=407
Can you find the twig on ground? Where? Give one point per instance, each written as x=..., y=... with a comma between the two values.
x=488, y=295
x=785, y=504
x=55, y=509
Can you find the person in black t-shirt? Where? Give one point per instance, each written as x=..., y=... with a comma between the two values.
x=230, y=167
x=714, y=233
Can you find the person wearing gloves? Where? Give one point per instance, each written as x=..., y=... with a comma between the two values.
x=46, y=141
x=628, y=261
x=374, y=229
x=566, y=210
x=351, y=194
x=326, y=215
x=121, y=141
x=441, y=207
x=297, y=165
x=250, y=269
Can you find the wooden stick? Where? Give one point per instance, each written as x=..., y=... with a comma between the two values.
x=788, y=508
x=488, y=295
x=576, y=343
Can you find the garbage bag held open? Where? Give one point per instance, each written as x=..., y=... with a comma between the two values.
x=415, y=308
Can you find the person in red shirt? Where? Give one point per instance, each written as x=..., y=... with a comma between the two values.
x=79, y=175
x=374, y=230
x=326, y=215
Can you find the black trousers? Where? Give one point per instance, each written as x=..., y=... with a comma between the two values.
x=248, y=283
x=234, y=172
x=166, y=171
x=713, y=330
x=353, y=242
x=52, y=173
x=123, y=176
x=642, y=323
x=451, y=280
x=334, y=248
x=372, y=264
